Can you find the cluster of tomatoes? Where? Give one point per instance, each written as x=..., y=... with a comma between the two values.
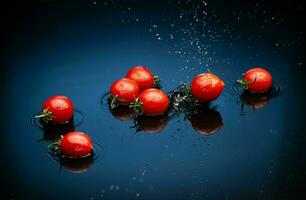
x=140, y=91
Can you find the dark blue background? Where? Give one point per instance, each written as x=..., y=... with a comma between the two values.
x=78, y=48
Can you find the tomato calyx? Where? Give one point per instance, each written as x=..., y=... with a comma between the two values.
x=156, y=82
x=45, y=115
x=245, y=83
x=114, y=101
x=137, y=106
x=55, y=146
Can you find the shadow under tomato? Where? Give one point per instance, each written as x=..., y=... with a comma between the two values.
x=123, y=113
x=255, y=100
x=53, y=132
x=77, y=165
x=206, y=121
x=151, y=124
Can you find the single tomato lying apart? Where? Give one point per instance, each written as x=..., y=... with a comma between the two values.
x=151, y=102
x=76, y=145
x=256, y=80
x=143, y=77
x=206, y=87
x=123, y=92
x=57, y=109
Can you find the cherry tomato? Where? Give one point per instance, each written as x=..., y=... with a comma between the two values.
x=76, y=145
x=142, y=76
x=206, y=87
x=123, y=92
x=57, y=109
x=151, y=102
x=256, y=80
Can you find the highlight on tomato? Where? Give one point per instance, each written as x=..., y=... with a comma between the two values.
x=56, y=109
x=206, y=87
x=256, y=80
x=143, y=77
x=151, y=102
x=123, y=92
x=75, y=145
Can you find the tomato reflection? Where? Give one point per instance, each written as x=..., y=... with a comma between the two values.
x=255, y=100
x=53, y=132
x=151, y=124
x=207, y=121
x=123, y=113
x=77, y=165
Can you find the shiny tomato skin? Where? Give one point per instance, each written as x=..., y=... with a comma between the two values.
x=125, y=89
x=154, y=102
x=142, y=76
x=259, y=80
x=76, y=145
x=206, y=87
x=61, y=108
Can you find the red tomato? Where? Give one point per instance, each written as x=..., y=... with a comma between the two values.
x=58, y=109
x=142, y=76
x=124, y=91
x=76, y=145
x=152, y=102
x=256, y=80
x=206, y=87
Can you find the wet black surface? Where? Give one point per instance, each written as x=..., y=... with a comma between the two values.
x=239, y=147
